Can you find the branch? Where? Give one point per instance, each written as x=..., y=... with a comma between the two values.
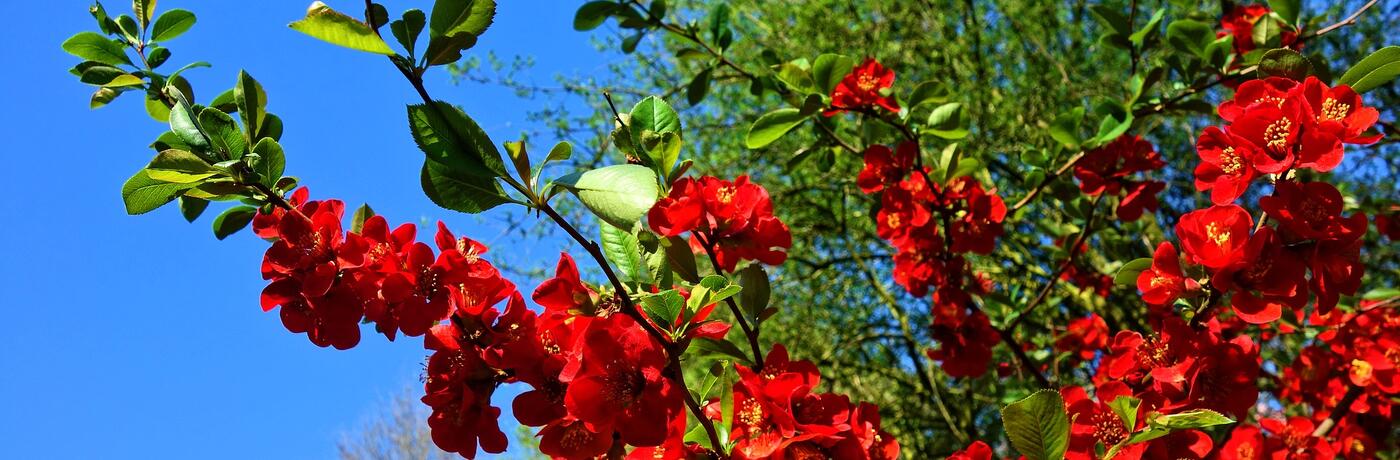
x=751, y=333
x=1069, y=260
x=1342, y=408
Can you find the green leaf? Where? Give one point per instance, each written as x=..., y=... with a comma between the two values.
x=947, y=121
x=719, y=25
x=1141, y=36
x=754, y=297
x=100, y=74
x=459, y=190
x=191, y=208
x=796, y=76
x=1267, y=33
x=142, y=194
x=1190, y=36
x=252, y=104
x=143, y=9
x=157, y=56
x=682, y=260
x=1112, y=18
x=407, y=30
x=697, y=88
x=625, y=252
x=172, y=24
x=705, y=346
x=772, y=126
x=232, y=220
x=1065, y=128
x=446, y=50
x=619, y=195
x=948, y=161
x=452, y=139
x=663, y=307
x=1374, y=71
x=93, y=46
x=1199, y=418
x=520, y=157
x=928, y=92
x=1038, y=425
x=648, y=121
x=1381, y=294
x=1127, y=408
x=102, y=97
x=104, y=21
x=271, y=162
x=711, y=289
x=453, y=17
x=1287, y=9
x=829, y=69
x=1128, y=274
x=363, y=213
x=334, y=27
x=561, y=151
x=182, y=123
x=223, y=132
x=225, y=101
x=1284, y=62
x=592, y=14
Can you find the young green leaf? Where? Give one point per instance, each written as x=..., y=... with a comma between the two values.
x=592, y=14
x=619, y=195
x=682, y=260
x=232, y=220
x=143, y=9
x=252, y=104
x=1128, y=274
x=772, y=126
x=625, y=252
x=1287, y=9
x=453, y=17
x=1065, y=128
x=1190, y=36
x=271, y=162
x=460, y=190
x=191, y=208
x=663, y=307
x=142, y=194
x=829, y=69
x=93, y=46
x=1038, y=425
x=947, y=122
x=336, y=28
x=453, y=140
x=649, y=119
x=1374, y=71
x=754, y=297
x=179, y=166
x=697, y=88
x=407, y=30
x=363, y=213
x=172, y=24
x=223, y=133
x=928, y=92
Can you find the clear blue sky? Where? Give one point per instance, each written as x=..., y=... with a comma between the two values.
x=141, y=337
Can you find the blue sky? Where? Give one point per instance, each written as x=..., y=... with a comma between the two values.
x=141, y=337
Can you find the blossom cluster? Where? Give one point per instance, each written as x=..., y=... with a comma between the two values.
x=1240, y=21
x=1111, y=170
x=734, y=219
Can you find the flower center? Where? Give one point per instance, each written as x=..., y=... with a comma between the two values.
x=1217, y=234
x=751, y=413
x=1276, y=135
x=725, y=194
x=892, y=220
x=1108, y=428
x=576, y=436
x=1361, y=370
x=866, y=82
x=1275, y=100
x=1230, y=162
x=623, y=384
x=1333, y=109
x=1245, y=451
x=1155, y=353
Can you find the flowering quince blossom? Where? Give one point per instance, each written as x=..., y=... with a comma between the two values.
x=733, y=219
x=1240, y=22
x=1163, y=282
x=1110, y=169
x=865, y=87
x=885, y=167
x=1214, y=237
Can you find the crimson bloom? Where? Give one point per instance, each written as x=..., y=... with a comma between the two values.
x=885, y=167
x=1227, y=165
x=565, y=292
x=1163, y=282
x=1214, y=236
x=1263, y=278
x=1094, y=422
x=621, y=383
x=867, y=86
x=1340, y=111
x=734, y=219
x=459, y=387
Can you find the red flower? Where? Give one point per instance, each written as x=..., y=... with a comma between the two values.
x=571, y=439
x=1223, y=379
x=733, y=219
x=884, y=167
x=1214, y=236
x=1277, y=130
x=1240, y=23
x=1312, y=211
x=980, y=223
x=1294, y=440
x=1246, y=442
x=1340, y=111
x=901, y=215
x=1270, y=90
x=964, y=349
x=867, y=441
x=1163, y=282
x=1141, y=196
x=621, y=383
x=866, y=86
x=565, y=292
x=1095, y=422
x=1165, y=357
x=1267, y=267
x=459, y=387
x=1180, y=445
x=1227, y=165
x=1084, y=337
x=978, y=450
x=419, y=296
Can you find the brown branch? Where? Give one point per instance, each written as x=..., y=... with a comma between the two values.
x=1069, y=260
x=1342, y=408
x=750, y=333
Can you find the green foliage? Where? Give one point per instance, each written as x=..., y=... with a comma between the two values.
x=1377, y=69
x=172, y=24
x=1038, y=425
x=334, y=27
x=619, y=195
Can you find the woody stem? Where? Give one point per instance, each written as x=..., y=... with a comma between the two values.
x=751, y=333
